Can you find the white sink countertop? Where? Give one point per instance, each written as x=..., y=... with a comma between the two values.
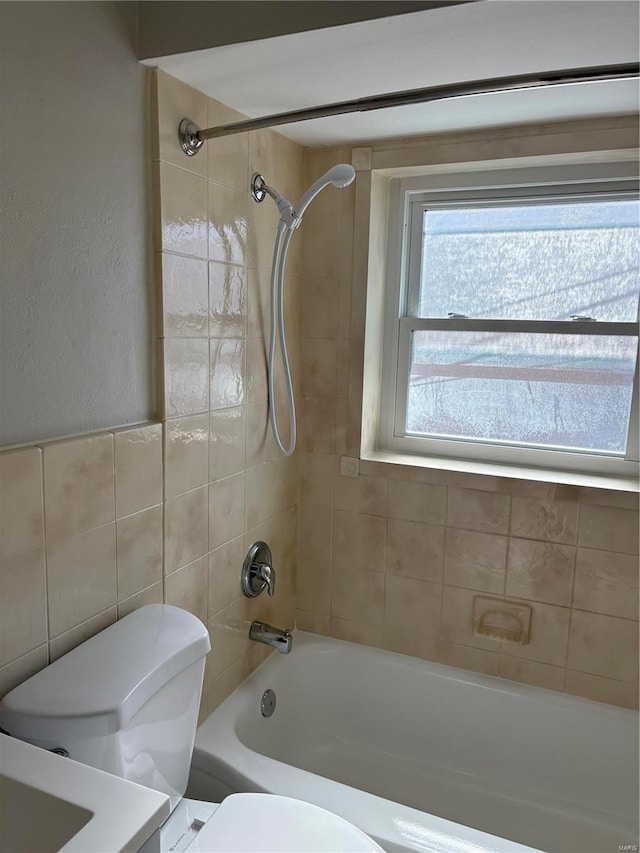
x=55, y=803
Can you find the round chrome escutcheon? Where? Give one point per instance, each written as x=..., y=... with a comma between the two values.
x=268, y=703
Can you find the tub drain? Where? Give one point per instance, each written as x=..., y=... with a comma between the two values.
x=268, y=703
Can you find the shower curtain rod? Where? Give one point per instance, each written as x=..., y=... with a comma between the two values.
x=192, y=137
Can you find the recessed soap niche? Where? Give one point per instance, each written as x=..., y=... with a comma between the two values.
x=507, y=621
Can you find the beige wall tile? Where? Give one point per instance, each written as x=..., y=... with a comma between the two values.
x=188, y=588
x=23, y=613
x=316, y=478
x=138, y=469
x=608, y=528
x=151, y=595
x=417, y=501
x=358, y=542
x=314, y=532
x=313, y=586
x=21, y=502
x=226, y=509
x=358, y=595
x=319, y=367
x=81, y=574
x=78, y=485
x=555, y=521
x=273, y=486
x=415, y=550
x=184, y=220
x=229, y=156
x=606, y=583
x=541, y=571
x=225, y=567
x=602, y=689
x=256, y=371
x=531, y=672
x=410, y=644
x=186, y=376
x=185, y=297
x=477, y=510
x=475, y=560
x=317, y=424
x=21, y=668
x=259, y=446
x=325, y=233
x=456, y=621
x=227, y=442
x=320, y=304
x=360, y=494
x=139, y=551
x=464, y=657
x=186, y=529
x=315, y=623
x=70, y=639
x=175, y=100
x=549, y=636
x=357, y=632
x=229, y=632
x=186, y=453
x=228, y=371
x=412, y=606
x=227, y=300
x=224, y=684
x=603, y=645
x=227, y=225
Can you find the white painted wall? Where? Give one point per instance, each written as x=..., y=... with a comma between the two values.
x=75, y=284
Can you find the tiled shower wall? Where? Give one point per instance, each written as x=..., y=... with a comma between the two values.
x=95, y=526
x=393, y=556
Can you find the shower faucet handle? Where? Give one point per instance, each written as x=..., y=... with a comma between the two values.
x=258, y=571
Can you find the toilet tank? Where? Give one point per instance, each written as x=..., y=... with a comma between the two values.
x=126, y=701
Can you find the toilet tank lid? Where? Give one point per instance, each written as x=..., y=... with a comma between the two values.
x=104, y=681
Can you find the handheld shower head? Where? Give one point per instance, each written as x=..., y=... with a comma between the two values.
x=340, y=176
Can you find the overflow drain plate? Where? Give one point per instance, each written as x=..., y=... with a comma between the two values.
x=268, y=703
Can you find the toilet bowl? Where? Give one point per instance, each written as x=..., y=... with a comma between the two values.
x=126, y=701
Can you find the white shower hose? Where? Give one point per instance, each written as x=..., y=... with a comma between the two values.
x=277, y=327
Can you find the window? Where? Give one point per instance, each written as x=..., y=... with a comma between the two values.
x=512, y=321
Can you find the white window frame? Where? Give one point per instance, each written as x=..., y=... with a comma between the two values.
x=408, y=198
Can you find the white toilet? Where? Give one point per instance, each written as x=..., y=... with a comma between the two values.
x=126, y=701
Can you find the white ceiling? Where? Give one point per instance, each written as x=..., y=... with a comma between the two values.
x=470, y=42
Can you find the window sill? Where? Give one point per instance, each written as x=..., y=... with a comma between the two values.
x=514, y=472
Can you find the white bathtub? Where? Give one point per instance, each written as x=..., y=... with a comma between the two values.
x=426, y=757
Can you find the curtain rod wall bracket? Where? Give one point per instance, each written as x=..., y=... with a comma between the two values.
x=189, y=135
x=193, y=137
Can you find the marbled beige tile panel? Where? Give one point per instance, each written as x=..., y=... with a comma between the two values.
x=319, y=367
x=412, y=606
x=456, y=620
x=138, y=468
x=139, y=551
x=320, y=307
x=227, y=442
x=549, y=635
x=315, y=623
x=475, y=560
x=228, y=157
x=228, y=373
x=186, y=529
x=359, y=542
x=21, y=502
x=78, y=485
x=72, y=638
x=313, y=591
x=226, y=509
x=188, y=588
x=228, y=224
x=555, y=521
x=225, y=566
x=174, y=101
x=151, y=595
x=540, y=571
x=608, y=529
x=531, y=672
x=466, y=657
x=415, y=550
x=476, y=510
x=227, y=300
x=314, y=532
x=606, y=583
x=357, y=632
x=316, y=478
x=271, y=487
x=21, y=668
x=358, y=595
x=317, y=424
x=603, y=645
x=186, y=453
x=602, y=689
x=423, y=502
x=81, y=574
x=23, y=605
x=360, y=494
